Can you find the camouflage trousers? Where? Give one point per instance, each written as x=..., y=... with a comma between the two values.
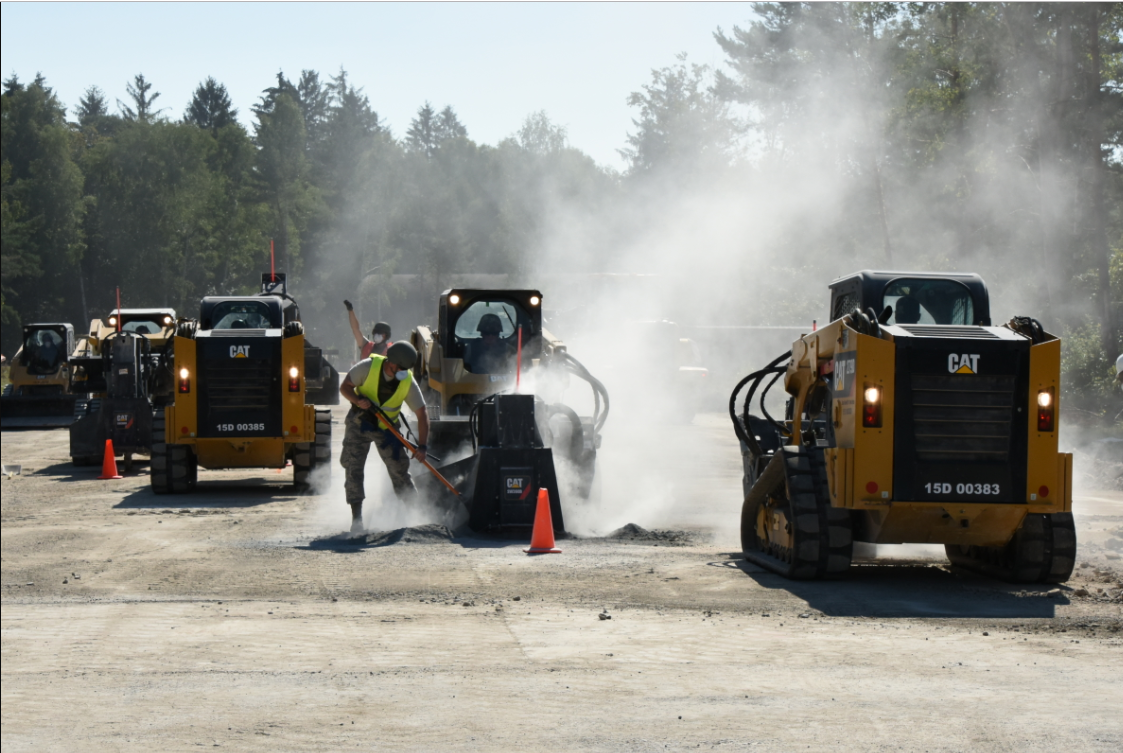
x=359, y=435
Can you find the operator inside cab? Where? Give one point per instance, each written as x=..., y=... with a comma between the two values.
x=44, y=352
x=928, y=301
x=242, y=315
x=490, y=354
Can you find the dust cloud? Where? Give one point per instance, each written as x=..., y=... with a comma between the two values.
x=733, y=255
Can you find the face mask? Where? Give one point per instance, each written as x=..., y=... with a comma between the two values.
x=378, y=339
x=401, y=375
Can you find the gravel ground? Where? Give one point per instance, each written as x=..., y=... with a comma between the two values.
x=242, y=616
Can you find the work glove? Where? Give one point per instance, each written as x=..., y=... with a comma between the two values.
x=348, y=305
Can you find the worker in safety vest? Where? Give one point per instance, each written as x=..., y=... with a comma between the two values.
x=386, y=381
x=380, y=341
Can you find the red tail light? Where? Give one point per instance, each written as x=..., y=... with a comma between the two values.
x=184, y=381
x=294, y=379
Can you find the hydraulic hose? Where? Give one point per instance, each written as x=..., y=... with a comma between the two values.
x=600, y=393
x=740, y=423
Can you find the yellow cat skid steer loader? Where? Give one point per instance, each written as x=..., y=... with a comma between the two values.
x=910, y=419
x=247, y=383
x=40, y=394
x=493, y=376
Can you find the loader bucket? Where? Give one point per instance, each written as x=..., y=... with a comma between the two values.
x=37, y=412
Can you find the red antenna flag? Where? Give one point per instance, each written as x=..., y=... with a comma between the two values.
x=118, y=309
x=272, y=263
x=519, y=361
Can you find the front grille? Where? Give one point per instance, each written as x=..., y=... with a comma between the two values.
x=237, y=333
x=968, y=332
x=238, y=387
x=962, y=417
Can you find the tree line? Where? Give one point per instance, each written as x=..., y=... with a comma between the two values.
x=975, y=136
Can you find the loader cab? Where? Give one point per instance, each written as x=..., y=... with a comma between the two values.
x=482, y=327
x=241, y=313
x=915, y=297
x=46, y=347
x=152, y=322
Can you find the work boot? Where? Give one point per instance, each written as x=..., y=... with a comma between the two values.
x=357, y=518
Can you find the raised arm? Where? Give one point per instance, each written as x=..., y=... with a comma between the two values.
x=355, y=330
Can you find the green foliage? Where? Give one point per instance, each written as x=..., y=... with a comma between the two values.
x=42, y=206
x=683, y=128
x=210, y=106
x=143, y=99
x=1087, y=372
x=283, y=173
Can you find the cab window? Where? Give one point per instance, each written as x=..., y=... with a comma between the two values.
x=141, y=326
x=509, y=316
x=929, y=302
x=44, y=351
x=485, y=335
x=241, y=315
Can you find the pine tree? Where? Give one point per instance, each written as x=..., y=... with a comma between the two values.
x=210, y=106
x=142, y=110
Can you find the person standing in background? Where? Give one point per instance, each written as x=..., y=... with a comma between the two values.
x=380, y=341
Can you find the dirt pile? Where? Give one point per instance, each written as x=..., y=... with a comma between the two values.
x=427, y=534
x=633, y=533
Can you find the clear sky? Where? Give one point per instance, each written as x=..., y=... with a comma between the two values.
x=493, y=62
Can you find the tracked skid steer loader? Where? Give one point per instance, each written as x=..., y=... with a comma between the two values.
x=41, y=394
x=123, y=365
x=493, y=377
x=910, y=419
x=247, y=384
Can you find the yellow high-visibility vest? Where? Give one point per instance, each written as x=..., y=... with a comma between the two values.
x=369, y=389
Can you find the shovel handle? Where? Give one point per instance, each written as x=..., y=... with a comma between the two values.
x=413, y=449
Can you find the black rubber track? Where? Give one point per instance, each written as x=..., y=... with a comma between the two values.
x=158, y=465
x=1043, y=550
x=310, y=455
x=173, y=468
x=822, y=539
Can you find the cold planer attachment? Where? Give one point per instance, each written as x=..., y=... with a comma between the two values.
x=499, y=484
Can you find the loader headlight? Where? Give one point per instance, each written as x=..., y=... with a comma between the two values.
x=294, y=379
x=167, y=320
x=871, y=407
x=1046, y=410
x=184, y=380
x=112, y=321
x=535, y=300
x=454, y=299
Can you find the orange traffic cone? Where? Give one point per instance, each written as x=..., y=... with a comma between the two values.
x=109, y=462
x=542, y=539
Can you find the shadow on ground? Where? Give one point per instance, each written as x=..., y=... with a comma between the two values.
x=463, y=536
x=903, y=589
x=218, y=494
x=433, y=533
x=67, y=471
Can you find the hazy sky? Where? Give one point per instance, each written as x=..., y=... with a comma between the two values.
x=494, y=63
